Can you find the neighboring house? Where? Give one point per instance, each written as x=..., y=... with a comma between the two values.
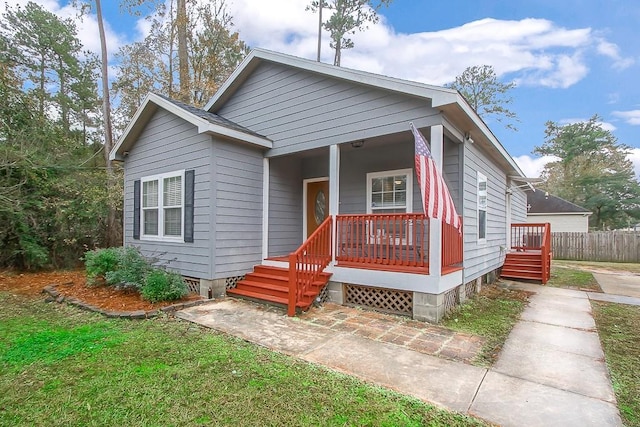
x=290, y=148
x=563, y=215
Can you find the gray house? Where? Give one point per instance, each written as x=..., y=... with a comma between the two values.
x=297, y=180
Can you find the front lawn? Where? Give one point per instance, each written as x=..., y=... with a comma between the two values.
x=60, y=366
x=566, y=276
x=490, y=314
x=619, y=330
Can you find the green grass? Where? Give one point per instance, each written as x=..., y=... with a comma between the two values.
x=619, y=330
x=60, y=366
x=490, y=314
x=571, y=278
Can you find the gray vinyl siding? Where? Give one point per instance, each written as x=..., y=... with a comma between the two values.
x=238, y=172
x=285, y=205
x=481, y=258
x=518, y=206
x=300, y=110
x=169, y=143
x=356, y=164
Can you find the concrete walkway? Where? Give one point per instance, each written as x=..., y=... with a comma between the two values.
x=550, y=372
x=619, y=284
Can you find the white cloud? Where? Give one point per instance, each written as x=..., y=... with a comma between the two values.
x=612, y=51
x=632, y=117
x=533, y=166
x=604, y=125
x=543, y=53
x=634, y=156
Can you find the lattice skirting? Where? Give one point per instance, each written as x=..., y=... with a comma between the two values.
x=451, y=299
x=193, y=284
x=232, y=282
x=470, y=289
x=324, y=295
x=387, y=300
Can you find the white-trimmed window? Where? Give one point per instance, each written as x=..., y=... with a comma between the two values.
x=390, y=191
x=482, y=207
x=162, y=205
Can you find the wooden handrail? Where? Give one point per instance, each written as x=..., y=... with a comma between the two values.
x=546, y=253
x=307, y=262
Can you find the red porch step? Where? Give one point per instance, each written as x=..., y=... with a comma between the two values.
x=523, y=265
x=271, y=285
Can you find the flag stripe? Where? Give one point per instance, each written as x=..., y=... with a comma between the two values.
x=436, y=199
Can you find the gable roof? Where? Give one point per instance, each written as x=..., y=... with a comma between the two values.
x=449, y=101
x=545, y=203
x=205, y=121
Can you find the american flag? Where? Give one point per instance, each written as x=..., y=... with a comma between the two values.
x=436, y=199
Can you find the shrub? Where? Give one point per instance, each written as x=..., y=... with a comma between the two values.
x=132, y=268
x=161, y=285
x=100, y=262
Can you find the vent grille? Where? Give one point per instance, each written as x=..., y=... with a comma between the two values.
x=232, y=282
x=386, y=300
x=451, y=300
x=193, y=284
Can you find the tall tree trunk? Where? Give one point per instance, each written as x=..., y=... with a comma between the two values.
x=336, y=58
x=183, y=60
x=112, y=234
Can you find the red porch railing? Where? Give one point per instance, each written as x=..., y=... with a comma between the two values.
x=452, y=254
x=306, y=263
x=534, y=237
x=393, y=242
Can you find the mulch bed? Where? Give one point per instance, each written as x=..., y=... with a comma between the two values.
x=73, y=285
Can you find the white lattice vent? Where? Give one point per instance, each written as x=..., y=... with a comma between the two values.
x=451, y=299
x=470, y=289
x=387, y=300
x=193, y=284
x=232, y=282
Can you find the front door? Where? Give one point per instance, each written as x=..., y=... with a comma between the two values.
x=317, y=204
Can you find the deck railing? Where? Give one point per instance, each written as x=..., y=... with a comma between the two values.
x=393, y=242
x=452, y=254
x=306, y=263
x=534, y=237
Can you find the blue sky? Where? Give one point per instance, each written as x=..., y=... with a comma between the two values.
x=571, y=59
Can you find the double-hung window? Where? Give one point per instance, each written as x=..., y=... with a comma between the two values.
x=162, y=205
x=390, y=191
x=482, y=207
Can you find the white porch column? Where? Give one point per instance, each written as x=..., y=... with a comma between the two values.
x=334, y=191
x=265, y=208
x=435, y=225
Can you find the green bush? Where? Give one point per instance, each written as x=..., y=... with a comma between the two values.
x=161, y=285
x=100, y=262
x=132, y=268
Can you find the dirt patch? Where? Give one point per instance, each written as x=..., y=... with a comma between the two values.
x=74, y=284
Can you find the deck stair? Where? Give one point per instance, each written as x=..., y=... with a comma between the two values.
x=523, y=265
x=530, y=253
x=270, y=285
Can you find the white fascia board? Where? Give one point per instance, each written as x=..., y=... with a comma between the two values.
x=235, y=134
x=113, y=154
x=487, y=132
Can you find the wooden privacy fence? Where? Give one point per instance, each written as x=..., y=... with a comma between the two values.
x=613, y=246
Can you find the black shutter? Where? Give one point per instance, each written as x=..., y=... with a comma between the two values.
x=189, y=179
x=136, y=209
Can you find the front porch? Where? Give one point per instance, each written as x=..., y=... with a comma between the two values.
x=349, y=211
